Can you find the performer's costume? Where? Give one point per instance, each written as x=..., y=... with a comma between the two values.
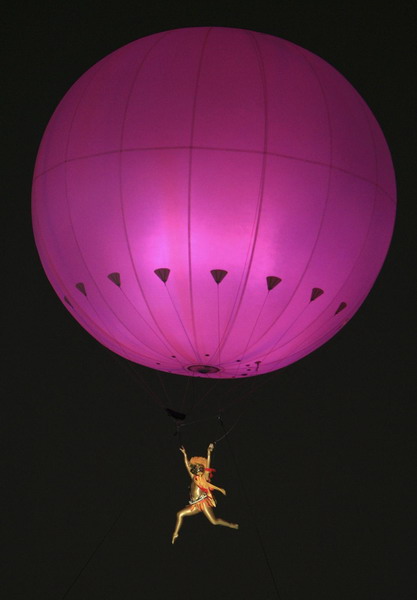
x=205, y=497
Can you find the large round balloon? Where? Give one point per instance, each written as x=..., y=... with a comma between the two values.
x=213, y=201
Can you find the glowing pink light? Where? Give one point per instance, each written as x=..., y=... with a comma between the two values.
x=213, y=198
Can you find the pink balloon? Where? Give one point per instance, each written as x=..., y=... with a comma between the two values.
x=213, y=201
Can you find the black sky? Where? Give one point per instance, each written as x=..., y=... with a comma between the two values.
x=320, y=469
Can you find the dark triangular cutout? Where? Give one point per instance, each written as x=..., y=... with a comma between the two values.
x=81, y=287
x=218, y=275
x=272, y=282
x=68, y=302
x=342, y=306
x=174, y=414
x=315, y=293
x=163, y=274
x=114, y=278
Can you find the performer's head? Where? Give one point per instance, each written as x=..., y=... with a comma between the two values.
x=198, y=465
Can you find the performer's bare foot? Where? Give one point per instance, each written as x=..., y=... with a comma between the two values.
x=174, y=537
x=234, y=525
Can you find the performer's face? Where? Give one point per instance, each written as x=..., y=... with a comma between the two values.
x=197, y=469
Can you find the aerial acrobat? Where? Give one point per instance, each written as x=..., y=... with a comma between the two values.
x=201, y=497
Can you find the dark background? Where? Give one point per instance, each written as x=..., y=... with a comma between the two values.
x=320, y=468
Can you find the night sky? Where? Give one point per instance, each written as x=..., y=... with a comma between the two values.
x=320, y=464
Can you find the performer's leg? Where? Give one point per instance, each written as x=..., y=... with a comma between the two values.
x=208, y=511
x=185, y=512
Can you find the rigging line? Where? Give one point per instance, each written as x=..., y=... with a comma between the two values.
x=190, y=400
x=162, y=384
x=265, y=379
x=242, y=383
x=213, y=387
x=181, y=425
x=249, y=394
x=178, y=433
x=245, y=495
x=184, y=396
x=98, y=546
x=135, y=375
x=192, y=394
x=198, y=400
x=230, y=428
x=209, y=418
x=231, y=393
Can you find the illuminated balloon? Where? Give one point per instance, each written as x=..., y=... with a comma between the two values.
x=213, y=201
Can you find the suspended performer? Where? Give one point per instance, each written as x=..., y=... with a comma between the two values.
x=201, y=496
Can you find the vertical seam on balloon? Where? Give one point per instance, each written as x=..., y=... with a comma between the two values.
x=239, y=293
x=330, y=166
x=352, y=270
x=243, y=353
x=262, y=181
x=287, y=360
x=218, y=323
x=80, y=312
x=132, y=304
x=190, y=165
x=72, y=224
x=255, y=228
x=139, y=68
x=180, y=320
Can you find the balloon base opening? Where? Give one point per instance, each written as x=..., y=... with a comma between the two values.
x=204, y=369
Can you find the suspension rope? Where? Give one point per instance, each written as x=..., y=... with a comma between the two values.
x=230, y=428
x=184, y=397
x=98, y=546
x=245, y=495
x=249, y=394
x=161, y=383
x=139, y=378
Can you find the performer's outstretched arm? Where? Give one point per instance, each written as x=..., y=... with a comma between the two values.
x=213, y=487
x=187, y=464
x=209, y=451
